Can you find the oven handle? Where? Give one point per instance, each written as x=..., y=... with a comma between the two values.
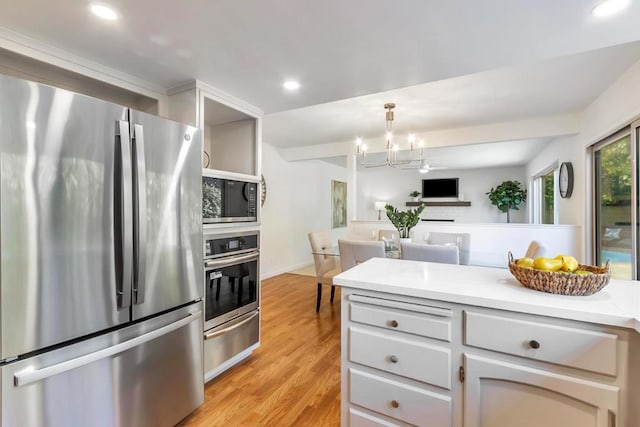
x=226, y=262
x=230, y=328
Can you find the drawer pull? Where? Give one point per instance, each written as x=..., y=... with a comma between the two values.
x=395, y=404
x=534, y=344
x=393, y=323
x=393, y=359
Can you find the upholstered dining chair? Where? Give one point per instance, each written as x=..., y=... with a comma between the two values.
x=447, y=254
x=353, y=252
x=325, y=265
x=461, y=240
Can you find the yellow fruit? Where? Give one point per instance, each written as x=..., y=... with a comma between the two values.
x=547, y=264
x=569, y=263
x=525, y=262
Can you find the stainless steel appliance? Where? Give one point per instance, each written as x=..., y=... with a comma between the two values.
x=101, y=248
x=228, y=200
x=232, y=298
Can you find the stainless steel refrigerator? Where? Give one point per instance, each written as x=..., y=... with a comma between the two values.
x=101, y=275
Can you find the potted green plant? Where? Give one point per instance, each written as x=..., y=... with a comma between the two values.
x=404, y=221
x=415, y=195
x=508, y=195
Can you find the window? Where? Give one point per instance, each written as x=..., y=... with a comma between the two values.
x=614, y=199
x=544, y=196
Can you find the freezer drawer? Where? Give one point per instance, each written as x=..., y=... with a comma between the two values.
x=148, y=374
x=229, y=339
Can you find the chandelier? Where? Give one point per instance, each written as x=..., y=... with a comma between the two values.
x=392, y=149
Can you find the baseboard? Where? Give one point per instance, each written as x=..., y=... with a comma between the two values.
x=284, y=270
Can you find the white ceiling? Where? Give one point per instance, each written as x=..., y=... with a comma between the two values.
x=338, y=49
x=446, y=64
x=558, y=86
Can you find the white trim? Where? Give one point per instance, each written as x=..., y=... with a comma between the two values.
x=40, y=51
x=229, y=100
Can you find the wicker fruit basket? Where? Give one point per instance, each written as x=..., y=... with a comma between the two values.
x=562, y=283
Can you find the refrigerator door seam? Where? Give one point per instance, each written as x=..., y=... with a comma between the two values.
x=28, y=376
x=140, y=212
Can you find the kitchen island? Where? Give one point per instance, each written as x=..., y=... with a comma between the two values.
x=448, y=345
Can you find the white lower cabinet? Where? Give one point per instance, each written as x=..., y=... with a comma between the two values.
x=362, y=419
x=414, y=362
x=502, y=394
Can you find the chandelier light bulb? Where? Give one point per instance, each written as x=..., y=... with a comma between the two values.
x=392, y=160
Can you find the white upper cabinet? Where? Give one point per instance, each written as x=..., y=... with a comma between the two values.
x=232, y=129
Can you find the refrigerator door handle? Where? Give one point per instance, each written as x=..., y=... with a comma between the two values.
x=140, y=213
x=28, y=375
x=125, y=215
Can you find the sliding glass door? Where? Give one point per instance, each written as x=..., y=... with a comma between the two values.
x=615, y=182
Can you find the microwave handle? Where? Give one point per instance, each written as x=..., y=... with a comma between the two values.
x=226, y=262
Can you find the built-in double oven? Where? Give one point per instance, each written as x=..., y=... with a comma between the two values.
x=232, y=297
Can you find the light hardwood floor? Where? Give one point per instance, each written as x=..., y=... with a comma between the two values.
x=293, y=379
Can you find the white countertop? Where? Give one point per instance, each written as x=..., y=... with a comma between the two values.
x=618, y=304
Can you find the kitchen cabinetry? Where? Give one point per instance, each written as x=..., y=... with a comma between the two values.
x=232, y=129
x=415, y=361
x=503, y=394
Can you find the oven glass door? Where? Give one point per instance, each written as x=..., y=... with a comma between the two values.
x=240, y=199
x=231, y=288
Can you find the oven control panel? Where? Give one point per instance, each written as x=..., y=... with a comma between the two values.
x=216, y=246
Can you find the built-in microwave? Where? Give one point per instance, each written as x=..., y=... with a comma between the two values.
x=228, y=200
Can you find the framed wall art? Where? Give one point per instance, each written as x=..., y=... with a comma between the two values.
x=338, y=204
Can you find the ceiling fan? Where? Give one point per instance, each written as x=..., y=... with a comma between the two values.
x=425, y=167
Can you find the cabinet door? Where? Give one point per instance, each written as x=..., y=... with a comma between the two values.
x=501, y=394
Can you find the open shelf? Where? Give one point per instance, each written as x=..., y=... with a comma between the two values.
x=455, y=203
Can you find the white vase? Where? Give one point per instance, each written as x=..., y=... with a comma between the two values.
x=405, y=240
x=416, y=199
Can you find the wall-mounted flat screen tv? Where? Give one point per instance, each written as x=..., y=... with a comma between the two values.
x=446, y=187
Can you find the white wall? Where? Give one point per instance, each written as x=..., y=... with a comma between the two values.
x=564, y=149
x=394, y=186
x=298, y=201
x=615, y=108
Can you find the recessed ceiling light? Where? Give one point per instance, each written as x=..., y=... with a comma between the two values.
x=104, y=12
x=291, y=85
x=609, y=7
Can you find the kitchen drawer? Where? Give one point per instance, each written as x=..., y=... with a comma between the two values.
x=361, y=419
x=577, y=348
x=400, y=401
x=401, y=356
x=401, y=320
